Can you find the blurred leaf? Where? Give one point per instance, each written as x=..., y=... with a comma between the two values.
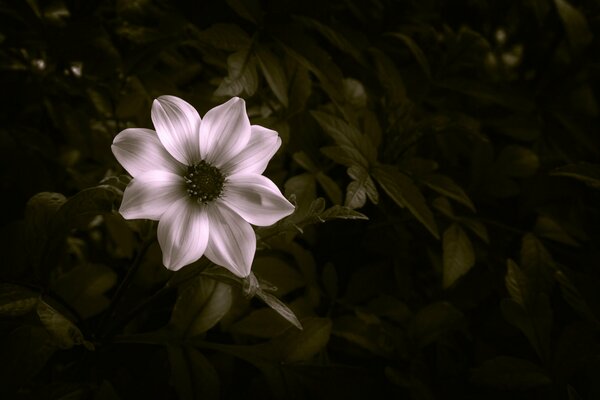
x=389, y=77
x=509, y=97
x=192, y=375
x=25, y=351
x=416, y=51
x=585, y=172
x=279, y=273
x=41, y=208
x=459, y=257
x=510, y=373
x=228, y=37
x=201, y=304
x=16, y=300
x=242, y=77
x=404, y=192
x=390, y=307
x=302, y=345
x=446, y=186
x=518, y=161
x=65, y=333
x=355, y=144
x=577, y=28
x=248, y=9
x=361, y=186
x=442, y=204
x=433, y=321
x=477, y=227
x=575, y=299
x=371, y=337
x=84, y=286
x=301, y=87
x=534, y=319
x=548, y=228
x=274, y=73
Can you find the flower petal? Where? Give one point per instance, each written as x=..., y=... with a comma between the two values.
x=139, y=150
x=253, y=159
x=232, y=242
x=183, y=233
x=224, y=132
x=150, y=194
x=176, y=123
x=256, y=199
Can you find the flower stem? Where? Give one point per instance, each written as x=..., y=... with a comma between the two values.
x=123, y=286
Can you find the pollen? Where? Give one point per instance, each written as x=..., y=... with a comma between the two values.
x=204, y=182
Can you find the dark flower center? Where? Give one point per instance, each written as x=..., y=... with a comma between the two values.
x=204, y=182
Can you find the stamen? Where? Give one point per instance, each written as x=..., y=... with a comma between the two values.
x=204, y=182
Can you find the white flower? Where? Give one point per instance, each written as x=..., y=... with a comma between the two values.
x=201, y=179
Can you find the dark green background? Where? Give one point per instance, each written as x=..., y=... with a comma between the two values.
x=465, y=131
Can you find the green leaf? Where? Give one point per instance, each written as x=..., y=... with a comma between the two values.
x=340, y=212
x=584, y=172
x=16, y=300
x=534, y=320
x=201, y=304
x=361, y=186
x=228, y=37
x=335, y=37
x=192, y=375
x=261, y=323
x=78, y=210
x=433, y=321
x=403, y=191
x=510, y=373
x=516, y=283
x=274, y=73
x=537, y=263
x=279, y=273
x=341, y=156
x=575, y=299
x=348, y=138
x=415, y=49
x=518, y=162
x=548, y=228
x=279, y=307
x=446, y=186
x=242, y=76
x=65, y=333
x=309, y=55
x=578, y=31
x=475, y=226
x=458, y=253
x=330, y=187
